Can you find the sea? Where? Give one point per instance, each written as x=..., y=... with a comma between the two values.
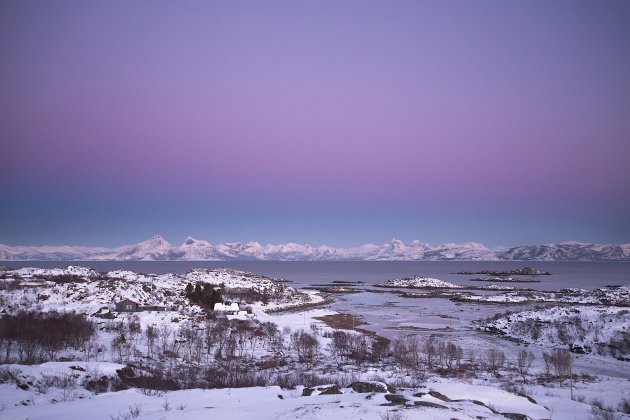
x=583, y=275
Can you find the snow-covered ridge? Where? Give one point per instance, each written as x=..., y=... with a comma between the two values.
x=158, y=249
x=85, y=291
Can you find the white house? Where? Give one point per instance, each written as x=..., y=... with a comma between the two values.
x=231, y=309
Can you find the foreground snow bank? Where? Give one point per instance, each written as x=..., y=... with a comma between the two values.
x=276, y=403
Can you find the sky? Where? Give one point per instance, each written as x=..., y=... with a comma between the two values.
x=322, y=122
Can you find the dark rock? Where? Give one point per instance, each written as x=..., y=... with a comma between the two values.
x=428, y=404
x=280, y=396
x=440, y=396
x=334, y=389
x=323, y=390
x=23, y=387
x=396, y=399
x=516, y=416
x=576, y=348
x=366, y=387
x=79, y=368
x=419, y=394
x=483, y=405
x=530, y=399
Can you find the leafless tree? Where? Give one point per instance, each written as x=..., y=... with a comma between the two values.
x=561, y=362
x=407, y=351
x=495, y=360
x=524, y=362
x=151, y=334
x=306, y=346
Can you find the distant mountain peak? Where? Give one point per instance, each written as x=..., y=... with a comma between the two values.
x=192, y=249
x=156, y=239
x=193, y=241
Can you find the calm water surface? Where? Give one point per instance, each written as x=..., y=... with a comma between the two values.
x=585, y=275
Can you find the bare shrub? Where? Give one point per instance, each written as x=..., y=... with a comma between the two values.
x=624, y=406
x=602, y=414
x=580, y=398
x=393, y=415
x=166, y=405
x=134, y=411
x=597, y=402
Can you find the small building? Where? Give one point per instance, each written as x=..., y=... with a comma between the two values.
x=127, y=305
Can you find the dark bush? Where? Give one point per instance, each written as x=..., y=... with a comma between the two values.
x=37, y=336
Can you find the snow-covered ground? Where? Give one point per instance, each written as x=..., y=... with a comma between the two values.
x=438, y=399
x=188, y=343
x=592, y=328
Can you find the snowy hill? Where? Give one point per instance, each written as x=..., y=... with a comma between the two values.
x=158, y=249
x=84, y=290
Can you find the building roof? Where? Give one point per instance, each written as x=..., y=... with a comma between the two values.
x=222, y=307
x=126, y=300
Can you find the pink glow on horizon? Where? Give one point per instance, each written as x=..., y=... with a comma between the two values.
x=416, y=103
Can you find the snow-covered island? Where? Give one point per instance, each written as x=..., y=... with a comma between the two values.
x=525, y=271
x=418, y=282
x=506, y=279
x=608, y=296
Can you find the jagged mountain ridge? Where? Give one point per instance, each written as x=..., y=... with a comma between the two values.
x=158, y=249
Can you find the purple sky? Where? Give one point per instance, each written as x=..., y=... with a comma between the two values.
x=503, y=122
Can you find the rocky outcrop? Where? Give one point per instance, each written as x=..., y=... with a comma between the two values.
x=367, y=387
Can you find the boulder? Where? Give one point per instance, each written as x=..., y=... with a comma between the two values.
x=333, y=389
x=440, y=396
x=428, y=404
x=395, y=399
x=322, y=390
x=366, y=387
x=515, y=416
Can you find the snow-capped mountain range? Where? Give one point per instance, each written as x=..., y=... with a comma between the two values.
x=157, y=248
